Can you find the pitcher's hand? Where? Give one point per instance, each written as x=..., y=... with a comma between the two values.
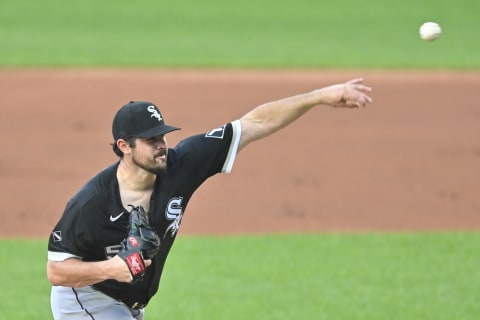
x=351, y=94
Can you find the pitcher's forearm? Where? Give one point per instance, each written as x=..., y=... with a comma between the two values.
x=77, y=273
x=273, y=116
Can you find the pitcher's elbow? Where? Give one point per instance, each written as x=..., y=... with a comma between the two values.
x=52, y=274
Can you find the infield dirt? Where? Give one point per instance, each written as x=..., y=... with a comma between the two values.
x=410, y=161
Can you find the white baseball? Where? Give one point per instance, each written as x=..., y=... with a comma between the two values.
x=430, y=31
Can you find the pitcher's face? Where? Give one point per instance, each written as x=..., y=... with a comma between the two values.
x=151, y=154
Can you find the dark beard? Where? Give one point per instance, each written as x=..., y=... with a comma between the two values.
x=151, y=169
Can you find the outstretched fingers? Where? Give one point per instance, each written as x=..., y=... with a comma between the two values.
x=357, y=85
x=359, y=96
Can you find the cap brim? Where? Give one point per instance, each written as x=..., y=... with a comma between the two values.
x=156, y=131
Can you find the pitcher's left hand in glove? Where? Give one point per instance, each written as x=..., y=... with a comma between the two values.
x=142, y=242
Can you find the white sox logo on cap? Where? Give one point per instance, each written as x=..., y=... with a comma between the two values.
x=154, y=113
x=139, y=119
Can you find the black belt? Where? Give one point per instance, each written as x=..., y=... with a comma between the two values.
x=137, y=305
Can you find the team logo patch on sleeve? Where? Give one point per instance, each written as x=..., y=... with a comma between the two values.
x=57, y=236
x=216, y=133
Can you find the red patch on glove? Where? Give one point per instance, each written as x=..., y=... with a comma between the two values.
x=135, y=263
x=133, y=241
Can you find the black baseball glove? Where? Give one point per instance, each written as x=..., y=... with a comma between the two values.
x=142, y=242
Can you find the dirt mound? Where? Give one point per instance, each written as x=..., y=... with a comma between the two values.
x=410, y=161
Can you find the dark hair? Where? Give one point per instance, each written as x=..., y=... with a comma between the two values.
x=118, y=152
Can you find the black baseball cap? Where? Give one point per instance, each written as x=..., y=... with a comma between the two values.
x=139, y=119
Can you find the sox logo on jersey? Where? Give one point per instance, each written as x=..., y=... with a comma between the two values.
x=174, y=213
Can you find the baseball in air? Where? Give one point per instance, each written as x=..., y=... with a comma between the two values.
x=430, y=31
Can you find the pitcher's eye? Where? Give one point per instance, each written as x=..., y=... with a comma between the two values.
x=155, y=139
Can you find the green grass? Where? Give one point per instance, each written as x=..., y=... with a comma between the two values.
x=25, y=292
x=249, y=33
x=316, y=276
